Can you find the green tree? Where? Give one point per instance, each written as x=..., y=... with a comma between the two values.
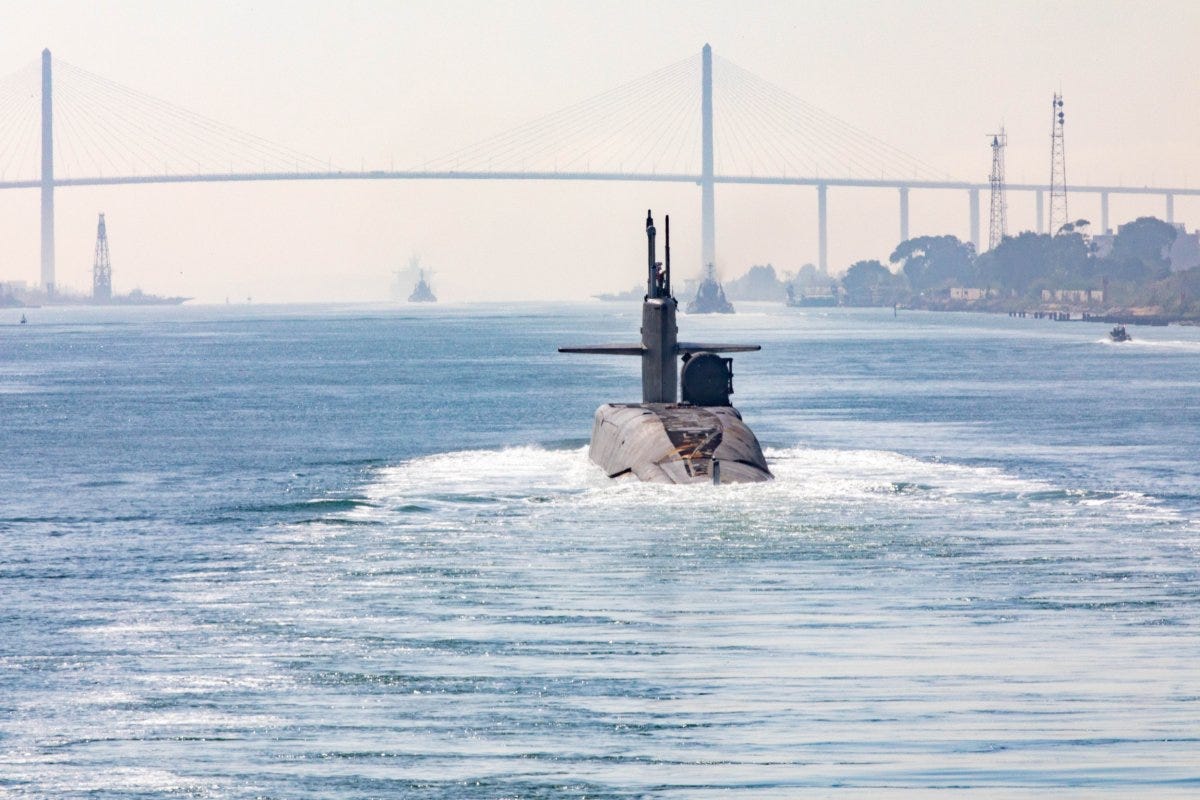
x=810, y=275
x=1029, y=261
x=932, y=262
x=759, y=283
x=871, y=283
x=1079, y=225
x=1139, y=253
x=1016, y=262
x=1070, y=265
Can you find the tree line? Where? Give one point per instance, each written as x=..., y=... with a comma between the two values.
x=1020, y=267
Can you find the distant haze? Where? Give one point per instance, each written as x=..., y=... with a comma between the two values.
x=383, y=85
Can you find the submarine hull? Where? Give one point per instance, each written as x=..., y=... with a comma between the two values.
x=676, y=443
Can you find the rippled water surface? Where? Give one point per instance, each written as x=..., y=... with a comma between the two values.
x=360, y=552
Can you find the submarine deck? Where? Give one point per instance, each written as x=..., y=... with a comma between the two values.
x=676, y=443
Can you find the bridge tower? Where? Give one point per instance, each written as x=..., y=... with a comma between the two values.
x=47, y=181
x=1058, y=169
x=708, y=215
x=998, y=226
x=101, y=266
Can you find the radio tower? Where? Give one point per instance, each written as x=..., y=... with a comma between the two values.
x=999, y=223
x=101, y=267
x=1058, y=169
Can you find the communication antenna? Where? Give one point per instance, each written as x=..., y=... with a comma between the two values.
x=1058, y=169
x=101, y=266
x=998, y=227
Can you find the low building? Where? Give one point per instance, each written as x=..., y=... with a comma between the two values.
x=1083, y=297
x=968, y=294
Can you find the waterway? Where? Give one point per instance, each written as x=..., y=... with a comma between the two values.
x=354, y=551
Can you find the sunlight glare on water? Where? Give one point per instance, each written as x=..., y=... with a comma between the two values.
x=335, y=583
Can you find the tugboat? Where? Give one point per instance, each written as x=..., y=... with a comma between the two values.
x=422, y=293
x=1118, y=334
x=662, y=440
x=710, y=297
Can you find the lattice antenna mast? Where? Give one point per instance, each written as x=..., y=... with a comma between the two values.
x=101, y=266
x=998, y=227
x=1058, y=169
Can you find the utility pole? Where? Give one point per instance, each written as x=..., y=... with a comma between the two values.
x=998, y=225
x=1058, y=169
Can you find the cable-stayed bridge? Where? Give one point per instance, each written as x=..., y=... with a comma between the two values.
x=715, y=123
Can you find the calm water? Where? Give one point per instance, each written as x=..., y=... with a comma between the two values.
x=359, y=552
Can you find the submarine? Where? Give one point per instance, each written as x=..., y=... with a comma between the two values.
x=697, y=438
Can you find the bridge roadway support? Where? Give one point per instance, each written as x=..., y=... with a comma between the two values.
x=708, y=214
x=1104, y=212
x=973, y=194
x=47, y=180
x=904, y=213
x=822, y=228
x=1170, y=208
x=1041, y=212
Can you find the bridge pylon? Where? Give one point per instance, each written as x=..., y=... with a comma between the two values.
x=47, y=178
x=708, y=213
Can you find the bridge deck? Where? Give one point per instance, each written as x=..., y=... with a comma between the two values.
x=417, y=175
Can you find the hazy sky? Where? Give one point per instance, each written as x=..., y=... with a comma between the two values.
x=379, y=85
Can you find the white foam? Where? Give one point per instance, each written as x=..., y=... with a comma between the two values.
x=482, y=474
x=50, y=775
x=1179, y=345
x=565, y=482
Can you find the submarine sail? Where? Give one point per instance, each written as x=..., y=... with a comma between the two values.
x=701, y=439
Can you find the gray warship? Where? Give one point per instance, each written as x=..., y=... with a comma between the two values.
x=710, y=297
x=421, y=292
x=661, y=439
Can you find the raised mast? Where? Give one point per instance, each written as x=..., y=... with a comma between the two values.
x=667, y=257
x=660, y=347
x=660, y=372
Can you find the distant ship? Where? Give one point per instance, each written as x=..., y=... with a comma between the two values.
x=710, y=297
x=621, y=297
x=422, y=293
x=135, y=298
x=699, y=438
x=139, y=298
x=811, y=299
